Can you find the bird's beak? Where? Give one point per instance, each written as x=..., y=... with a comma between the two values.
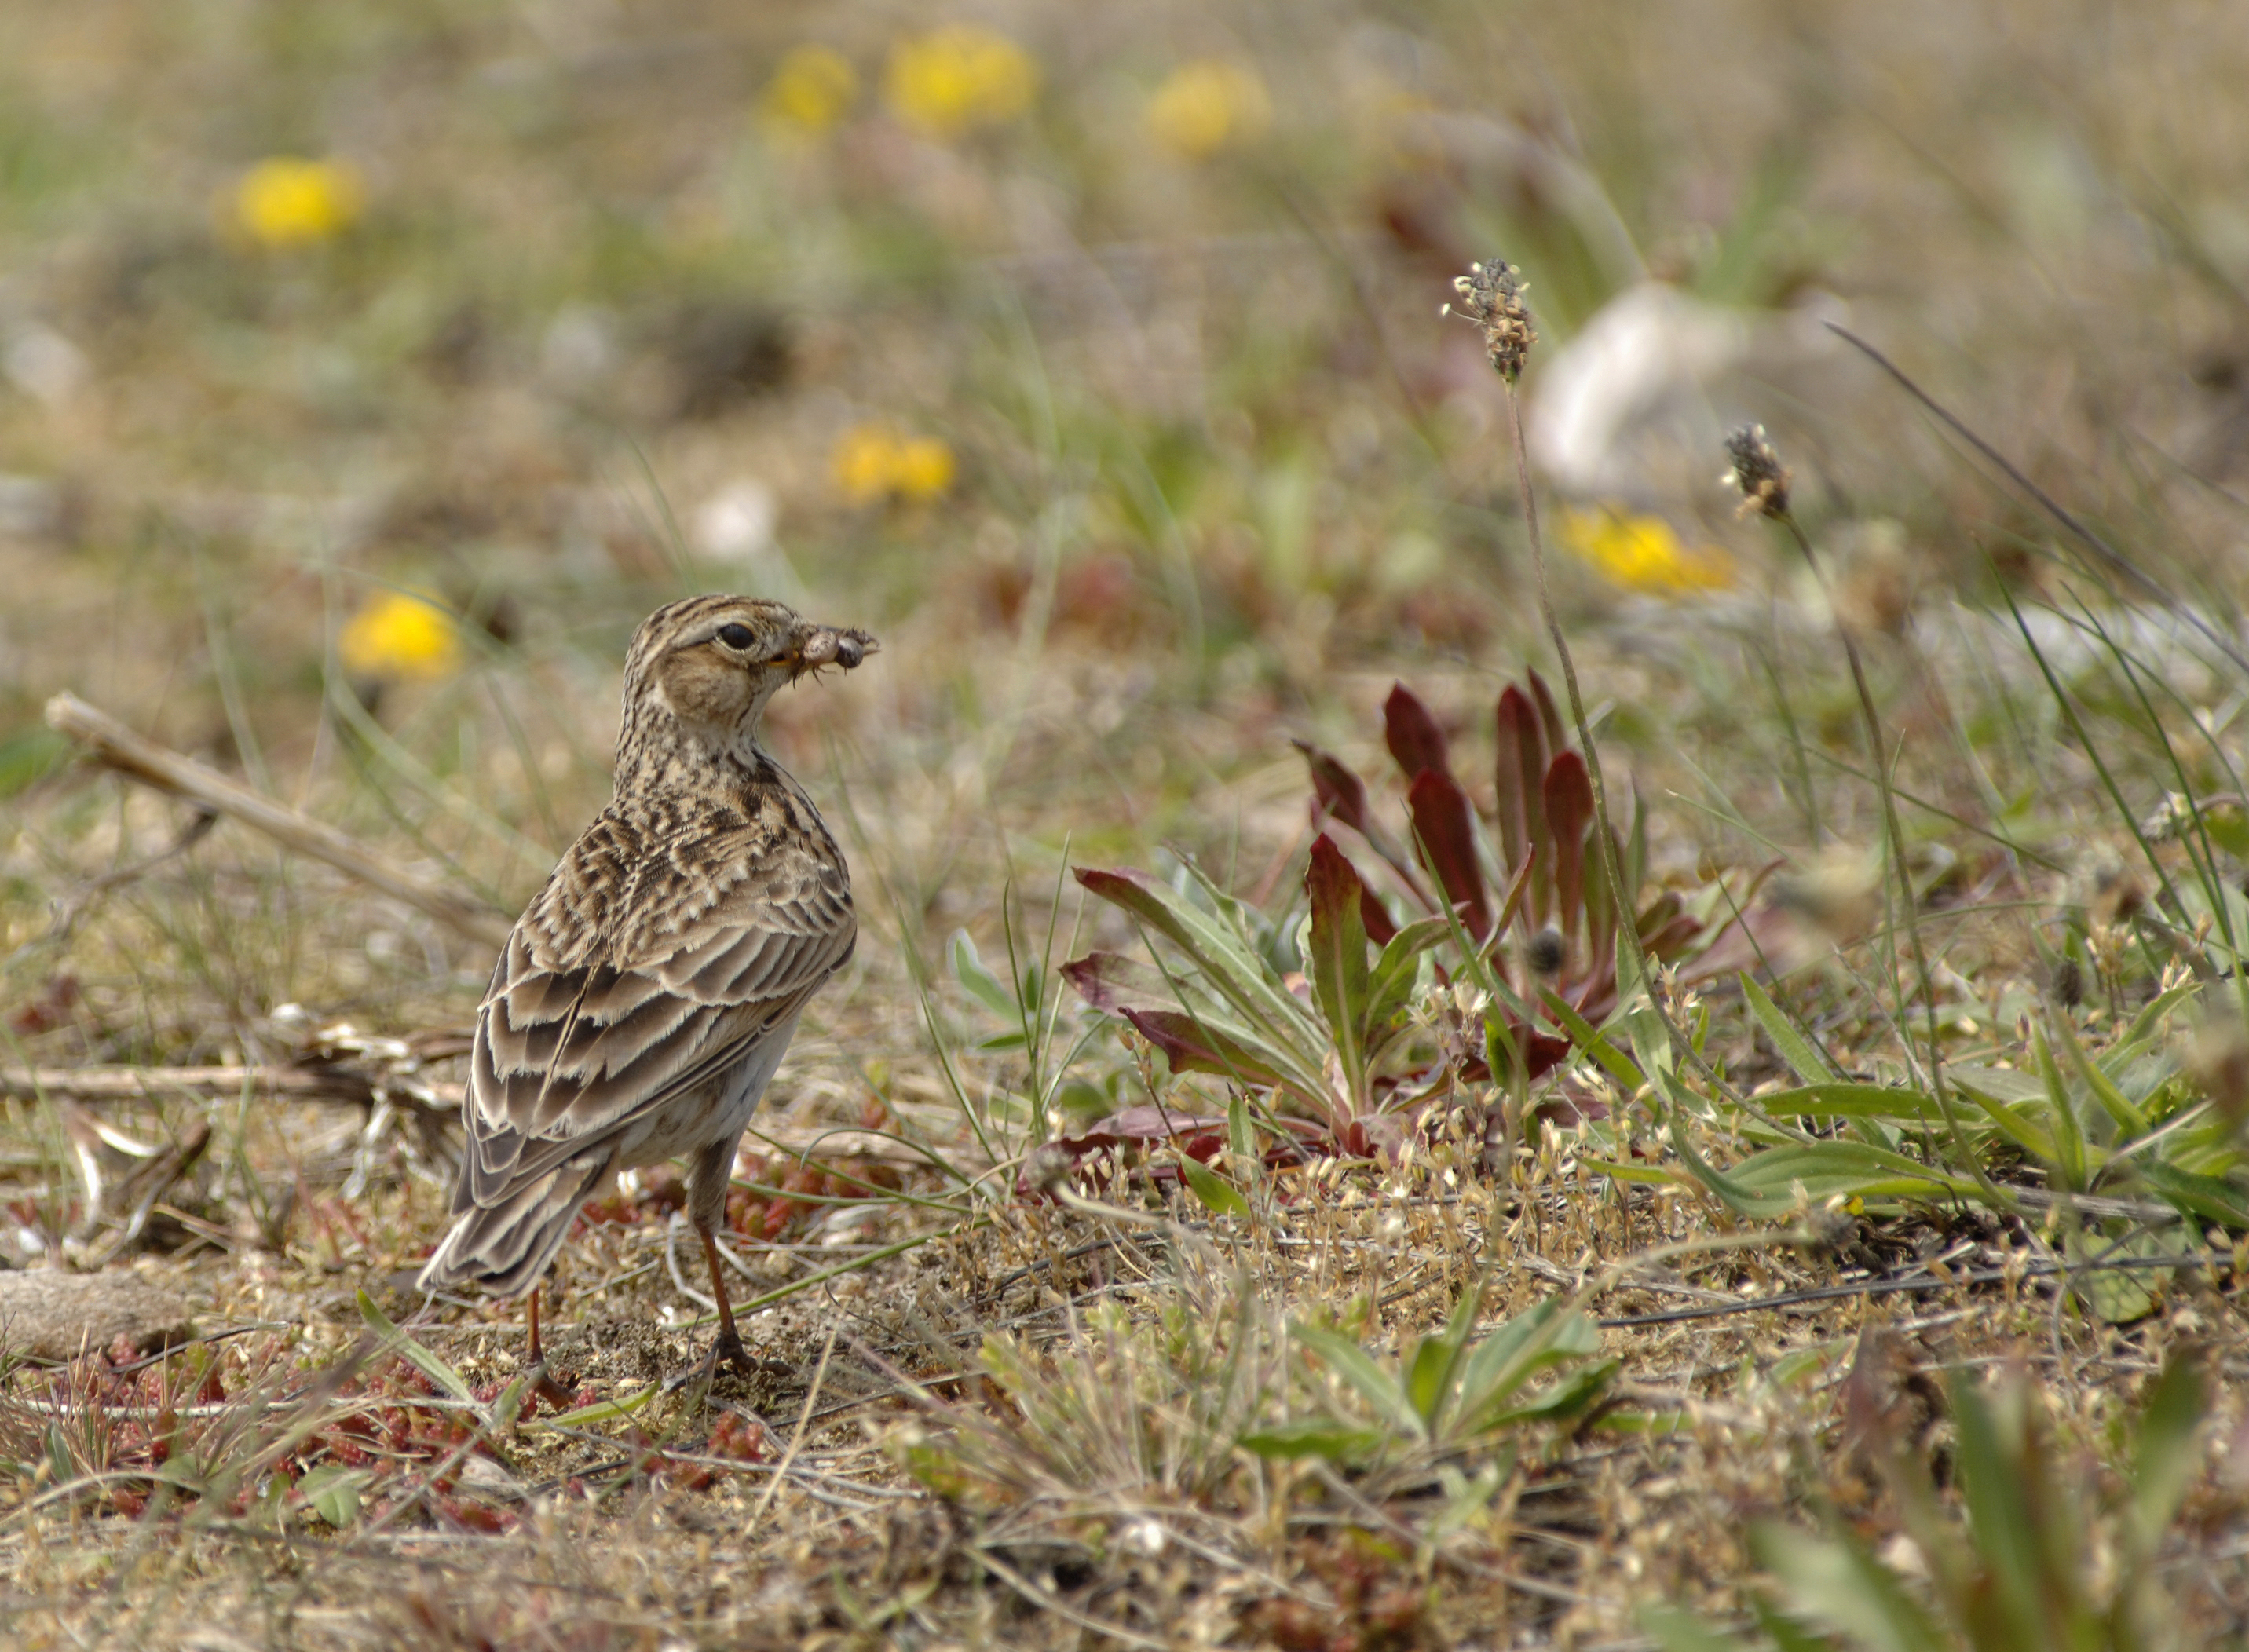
x=819, y=645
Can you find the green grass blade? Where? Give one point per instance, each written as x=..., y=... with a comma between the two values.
x=396, y=1341
x=1802, y=1056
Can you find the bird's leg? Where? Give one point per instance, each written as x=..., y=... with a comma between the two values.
x=543, y=1383
x=728, y=1349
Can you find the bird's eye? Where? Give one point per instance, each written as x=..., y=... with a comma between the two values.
x=737, y=636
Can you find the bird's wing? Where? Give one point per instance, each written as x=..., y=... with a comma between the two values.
x=590, y=1023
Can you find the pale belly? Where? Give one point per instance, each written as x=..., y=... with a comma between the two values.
x=719, y=1110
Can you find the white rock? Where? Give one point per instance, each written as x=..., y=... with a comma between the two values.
x=736, y=524
x=41, y=362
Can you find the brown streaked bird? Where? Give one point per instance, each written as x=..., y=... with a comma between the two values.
x=641, y=1004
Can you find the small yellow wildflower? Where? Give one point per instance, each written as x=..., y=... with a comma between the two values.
x=1642, y=554
x=875, y=462
x=922, y=468
x=1205, y=106
x=284, y=201
x=954, y=79
x=811, y=91
x=400, y=637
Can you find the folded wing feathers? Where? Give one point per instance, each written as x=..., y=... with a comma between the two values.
x=577, y=1048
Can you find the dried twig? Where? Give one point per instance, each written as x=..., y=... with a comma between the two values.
x=333, y=1083
x=117, y=747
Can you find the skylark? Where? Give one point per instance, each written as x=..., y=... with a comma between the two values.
x=644, y=999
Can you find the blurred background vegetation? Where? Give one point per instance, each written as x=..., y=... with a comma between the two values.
x=368, y=371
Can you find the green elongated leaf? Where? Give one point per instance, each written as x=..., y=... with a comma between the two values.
x=423, y=1360
x=2120, y=1107
x=1675, y=1629
x=2010, y=1506
x=1646, y=1175
x=1838, y=1585
x=981, y=983
x=1800, y=1053
x=2165, y=1458
x=2147, y=1021
x=1843, y=1099
x=1219, y=1195
x=2211, y=1198
x=1312, y=1437
x=1231, y=967
x=2068, y=1161
x=1740, y=1199
x=600, y=1411
x=1392, y=980
x=1429, y=1374
x=2001, y=1084
x=1338, y=964
x=1787, y=1634
x=1613, y=1061
x=1465, y=1498
x=1573, y=1395
x=1512, y=1354
x=1248, y=927
x=1826, y=1167
x=2012, y=1123
x=509, y=1405
x=1240, y=1130
x=332, y=1492
x=1357, y=1367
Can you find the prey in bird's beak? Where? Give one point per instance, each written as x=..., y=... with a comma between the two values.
x=823, y=645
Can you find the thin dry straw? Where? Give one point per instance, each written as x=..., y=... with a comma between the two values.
x=1893, y=1287
x=2108, y=553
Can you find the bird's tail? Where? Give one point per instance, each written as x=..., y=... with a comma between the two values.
x=506, y=1248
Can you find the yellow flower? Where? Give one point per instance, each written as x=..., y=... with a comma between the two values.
x=400, y=637
x=1204, y=106
x=1642, y=554
x=810, y=92
x=954, y=79
x=875, y=462
x=284, y=202
x=923, y=468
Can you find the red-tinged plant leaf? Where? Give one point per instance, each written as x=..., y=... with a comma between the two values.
x=1513, y=897
x=1444, y=826
x=1569, y=794
x=1105, y=979
x=1550, y=720
x=1141, y=1124
x=1661, y=911
x=1375, y=918
x=1412, y=735
x=1674, y=938
x=1544, y=1051
x=1223, y=958
x=1136, y=893
x=1192, y=1046
x=1520, y=775
x=1335, y=790
x=1338, y=964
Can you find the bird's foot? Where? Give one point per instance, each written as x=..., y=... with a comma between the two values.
x=544, y=1387
x=727, y=1353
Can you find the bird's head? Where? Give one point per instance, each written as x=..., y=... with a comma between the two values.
x=709, y=665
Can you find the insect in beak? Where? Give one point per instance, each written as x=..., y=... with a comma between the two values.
x=824, y=646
